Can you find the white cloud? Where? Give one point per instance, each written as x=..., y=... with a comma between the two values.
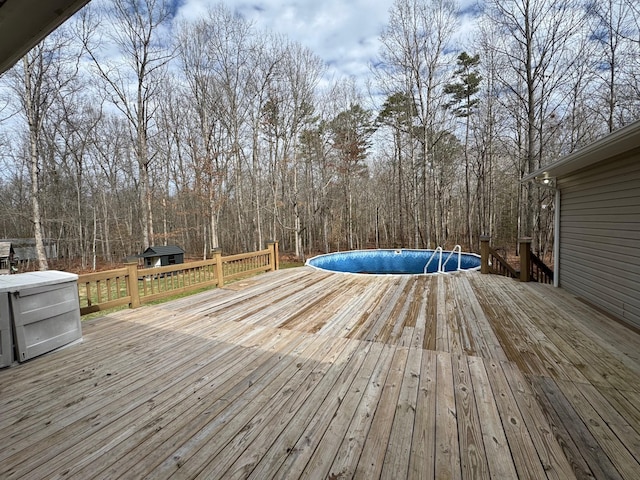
x=343, y=33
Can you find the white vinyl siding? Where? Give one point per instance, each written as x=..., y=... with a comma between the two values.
x=600, y=235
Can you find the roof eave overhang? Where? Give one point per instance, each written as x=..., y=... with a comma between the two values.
x=617, y=143
x=24, y=23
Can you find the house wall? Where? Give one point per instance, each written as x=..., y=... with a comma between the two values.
x=599, y=255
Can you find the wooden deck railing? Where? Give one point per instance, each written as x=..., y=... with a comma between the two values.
x=540, y=272
x=133, y=286
x=532, y=268
x=493, y=262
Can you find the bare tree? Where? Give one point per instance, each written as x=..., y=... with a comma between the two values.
x=69, y=133
x=301, y=71
x=611, y=29
x=286, y=112
x=114, y=181
x=41, y=81
x=632, y=36
x=413, y=54
x=536, y=58
x=131, y=80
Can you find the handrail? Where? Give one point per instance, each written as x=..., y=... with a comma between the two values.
x=531, y=266
x=132, y=286
x=540, y=272
x=458, y=249
x=426, y=267
x=500, y=266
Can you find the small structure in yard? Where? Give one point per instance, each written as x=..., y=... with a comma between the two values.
x=25, y=249
x=6, y=258
x=161, y=256
x=597, y=224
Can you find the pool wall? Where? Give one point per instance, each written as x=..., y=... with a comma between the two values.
x=389, y=262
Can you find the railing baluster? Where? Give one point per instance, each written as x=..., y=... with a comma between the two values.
x=122, y=286
x=532, y=267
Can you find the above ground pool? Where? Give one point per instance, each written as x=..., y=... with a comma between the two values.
x=397, y=262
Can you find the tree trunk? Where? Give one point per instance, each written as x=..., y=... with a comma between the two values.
x=35, y=123
x=35, y=207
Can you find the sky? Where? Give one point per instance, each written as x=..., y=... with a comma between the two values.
x=344, y=33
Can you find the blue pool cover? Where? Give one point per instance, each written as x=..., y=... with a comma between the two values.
x=399, y=262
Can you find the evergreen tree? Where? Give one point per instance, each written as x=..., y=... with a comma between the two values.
x=463, y=103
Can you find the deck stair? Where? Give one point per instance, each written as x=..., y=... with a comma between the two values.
x=532, y=268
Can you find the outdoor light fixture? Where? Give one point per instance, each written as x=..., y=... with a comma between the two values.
x=545, y=181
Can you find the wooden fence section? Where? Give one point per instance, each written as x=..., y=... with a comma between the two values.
x=104, y=290
x=133, y=286
x=235, y=266
x=532, y=268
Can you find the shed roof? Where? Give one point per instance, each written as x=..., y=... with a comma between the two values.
x=25, y=248
x=162, y=250
x=616, y=143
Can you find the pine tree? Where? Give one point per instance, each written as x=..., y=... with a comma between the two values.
x=463, y=103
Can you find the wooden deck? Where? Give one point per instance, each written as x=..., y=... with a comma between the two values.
x=304, y=374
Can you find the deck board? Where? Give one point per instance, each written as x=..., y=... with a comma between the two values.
x=306, y=374
x=396, y=460
x=473, y=458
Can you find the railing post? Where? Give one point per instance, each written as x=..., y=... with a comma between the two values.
x=484, y=253
x=274, y=262
x=525, y=258
x=217, y=255
x=132, y=284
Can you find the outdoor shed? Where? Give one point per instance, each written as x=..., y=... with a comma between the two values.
x=597, y=234
x=6, y=257
x=163, y=255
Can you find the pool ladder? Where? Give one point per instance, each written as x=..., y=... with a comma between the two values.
x=441, y=265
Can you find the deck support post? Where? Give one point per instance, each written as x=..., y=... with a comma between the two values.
x=525, y=258
x=273, y=255
x=484, y=253
x=217, y=255
x=132, y=284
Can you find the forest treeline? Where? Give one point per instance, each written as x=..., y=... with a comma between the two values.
x=128, y=128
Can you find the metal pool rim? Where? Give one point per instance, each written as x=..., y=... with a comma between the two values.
x=395, y=262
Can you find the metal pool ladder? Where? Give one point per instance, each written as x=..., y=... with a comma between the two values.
x=441, y=265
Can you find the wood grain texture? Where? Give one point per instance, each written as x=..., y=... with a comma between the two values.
x=307, y=374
